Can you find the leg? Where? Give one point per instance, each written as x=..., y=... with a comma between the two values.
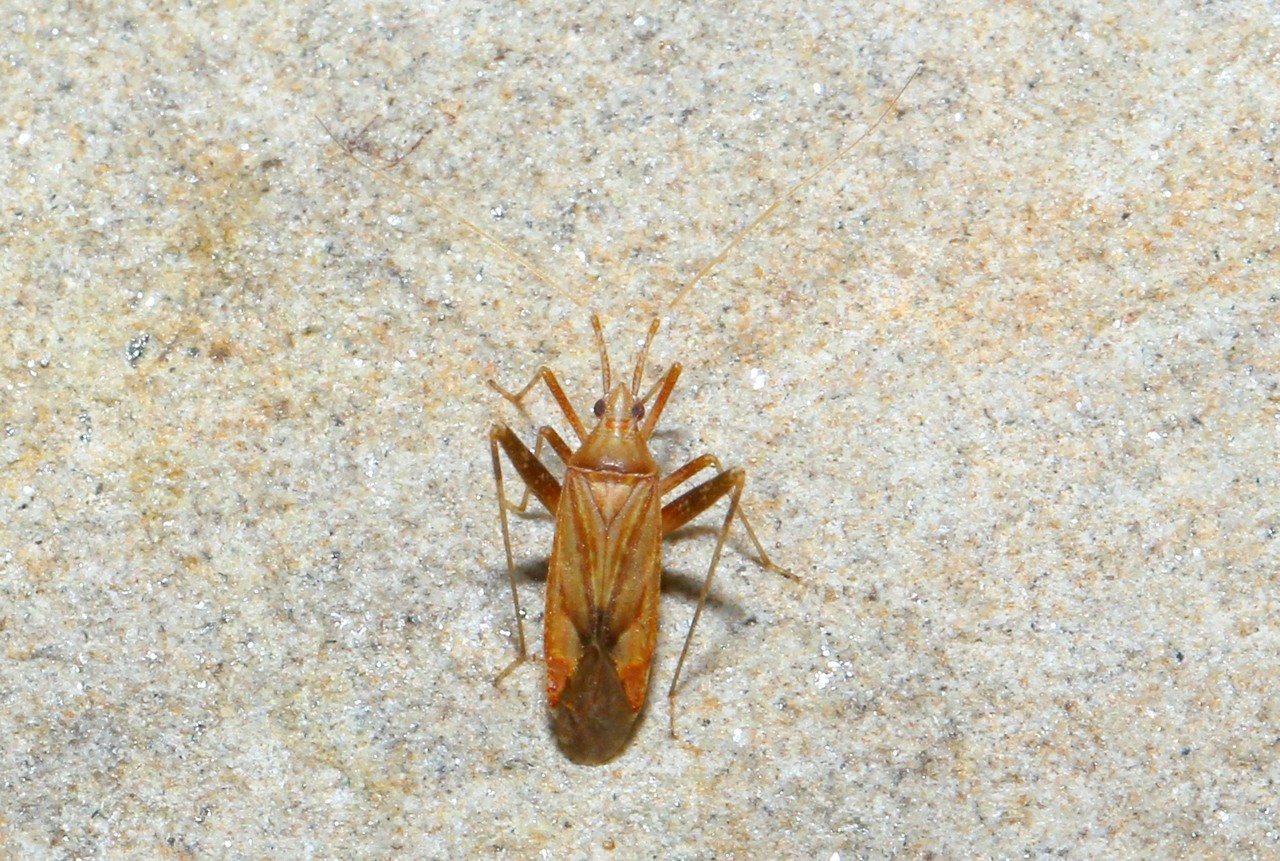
x=688, y=506
x=663, y=387
x=543, y=485
x=546, y=433
x=547, y=376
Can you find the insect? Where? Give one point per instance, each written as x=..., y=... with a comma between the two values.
x=604, y=571
x=605, y=566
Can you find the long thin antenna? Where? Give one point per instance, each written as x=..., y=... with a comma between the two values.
x=769, y=210
x=497, y=243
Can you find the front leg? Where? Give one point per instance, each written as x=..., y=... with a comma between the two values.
x=547, y=376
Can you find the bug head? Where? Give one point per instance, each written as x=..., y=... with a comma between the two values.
x=619, y=404
x=619, y=407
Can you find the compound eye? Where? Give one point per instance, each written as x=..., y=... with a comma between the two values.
x=637, y=410
x=599, y=408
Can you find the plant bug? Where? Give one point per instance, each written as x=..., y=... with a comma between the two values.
x=605, y=566
x=604, y=571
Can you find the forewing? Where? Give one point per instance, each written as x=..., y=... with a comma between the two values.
x=603, y=578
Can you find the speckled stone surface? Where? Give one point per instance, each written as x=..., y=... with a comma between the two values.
x=1006, y=381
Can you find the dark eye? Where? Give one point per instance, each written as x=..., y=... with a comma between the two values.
x=637, y=411
x=599, y=408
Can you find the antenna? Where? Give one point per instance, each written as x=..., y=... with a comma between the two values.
x=772, y=207
x=542, y=276
x=497, y=243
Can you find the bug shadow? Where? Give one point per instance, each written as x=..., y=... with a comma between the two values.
x=688, y=584
x=705, y=655
x=532, y=571
x=691, y=583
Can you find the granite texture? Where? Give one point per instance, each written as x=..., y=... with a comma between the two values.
x=1006, y=381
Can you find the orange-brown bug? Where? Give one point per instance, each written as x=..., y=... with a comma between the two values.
x=605, y=566
x=601, y=617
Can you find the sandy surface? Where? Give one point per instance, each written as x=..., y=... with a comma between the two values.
x=1006, y=381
